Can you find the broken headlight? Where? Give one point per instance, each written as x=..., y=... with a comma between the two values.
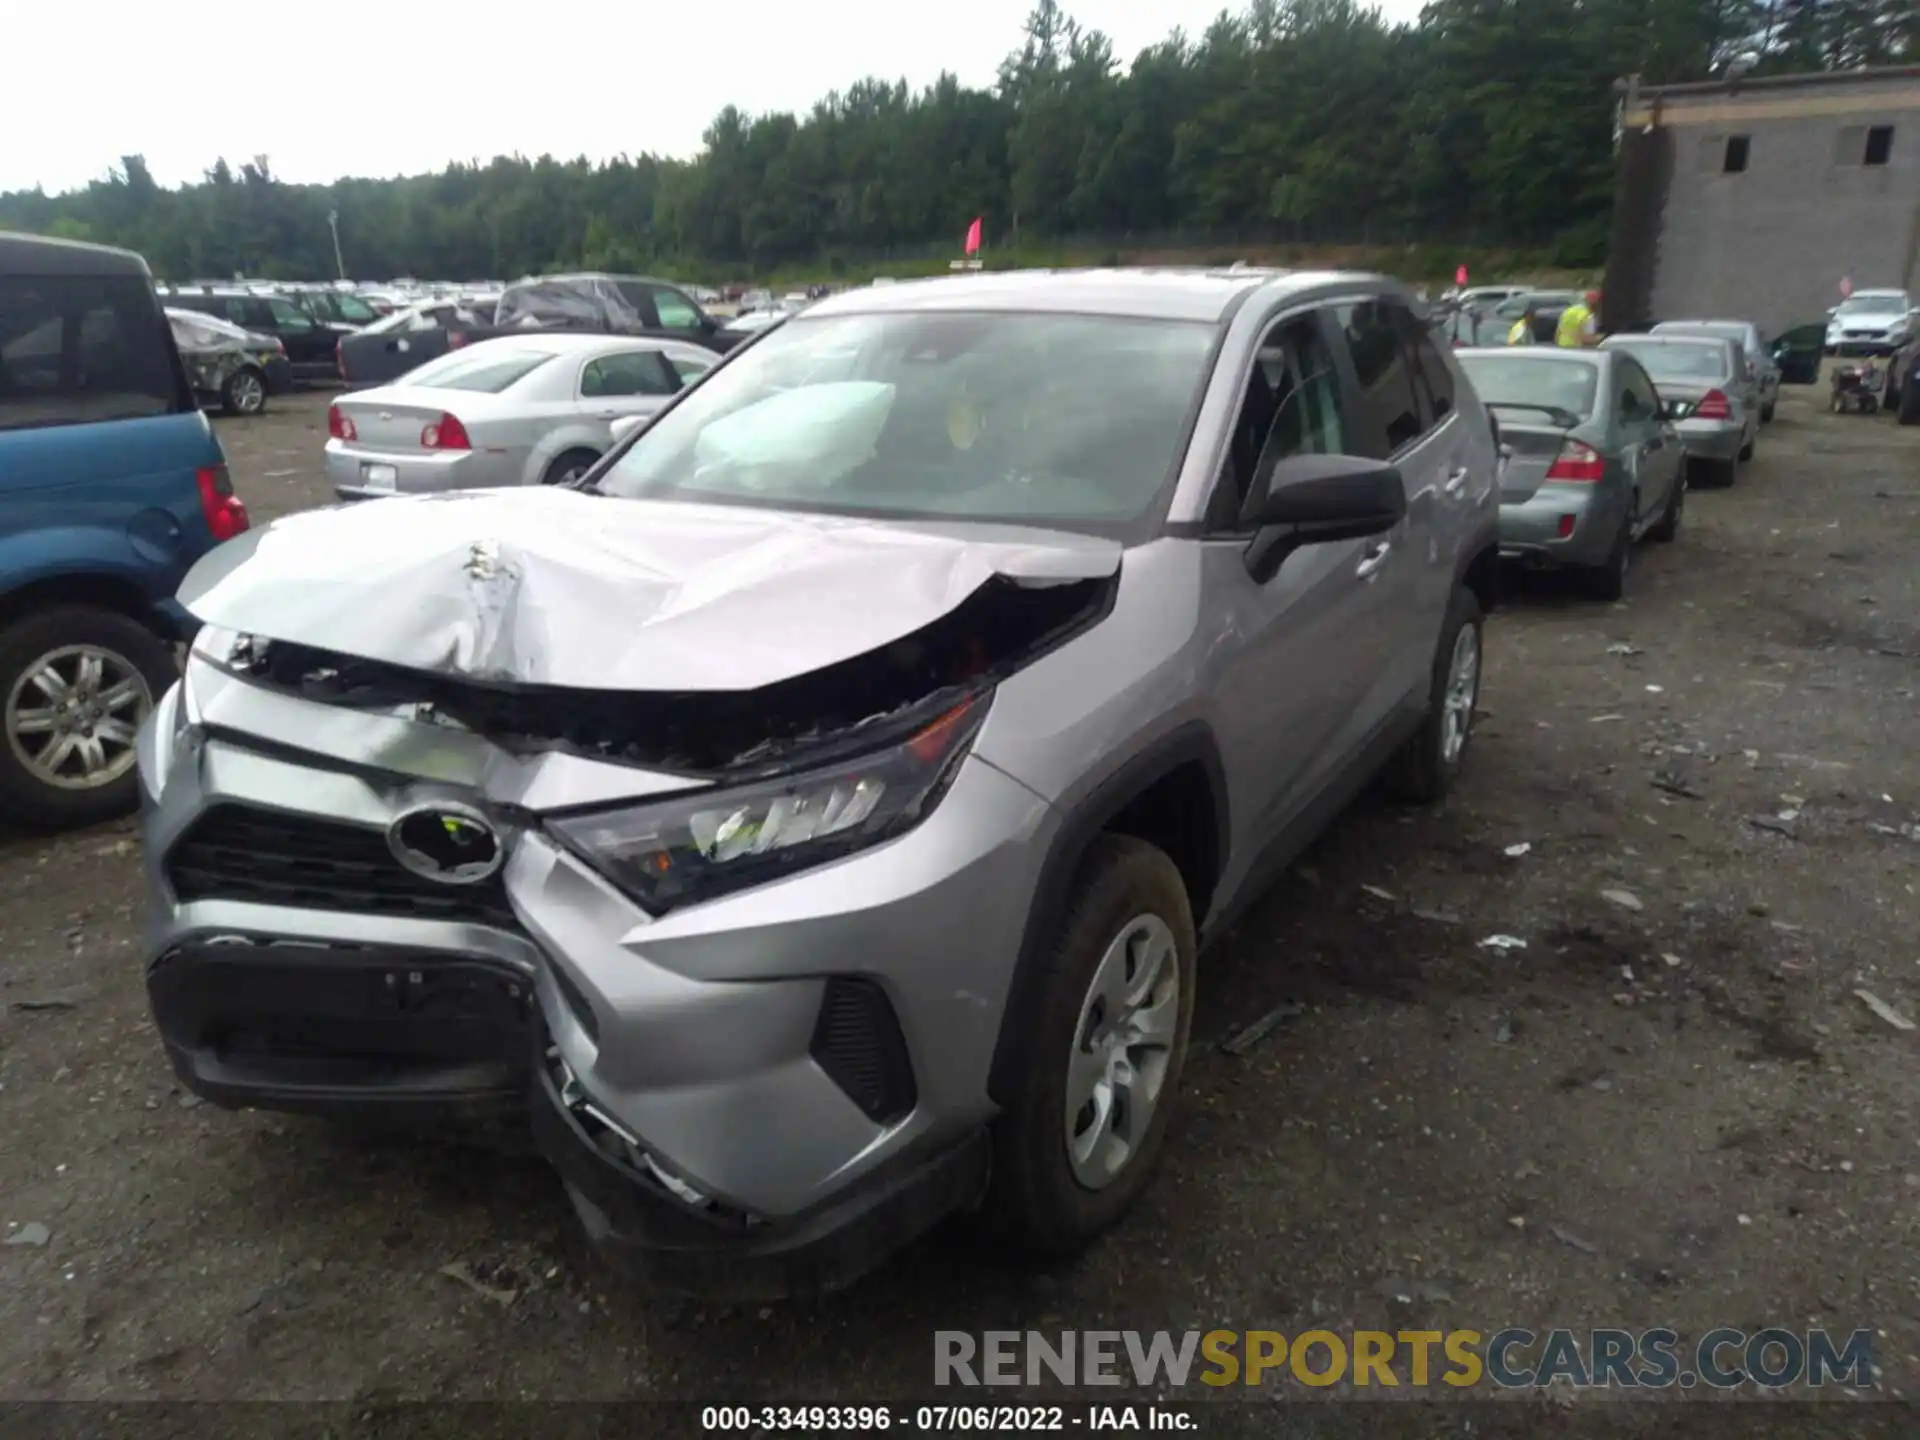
x=668, y=853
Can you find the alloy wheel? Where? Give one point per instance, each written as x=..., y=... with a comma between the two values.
x=71, y=716
x=1463, y=693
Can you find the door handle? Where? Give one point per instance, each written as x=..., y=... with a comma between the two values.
x=1375, y=557
x=1456, y=479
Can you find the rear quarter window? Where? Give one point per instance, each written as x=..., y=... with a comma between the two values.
x=76, y=350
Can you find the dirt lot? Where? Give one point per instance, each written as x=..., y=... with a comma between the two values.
x=1673, y=1110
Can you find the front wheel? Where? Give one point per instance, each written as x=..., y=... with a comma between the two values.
x=569, y=467
x=1104, y=1041
x=75, y=684
x=245, y=392
x=1425, y=770
x=1668, y=526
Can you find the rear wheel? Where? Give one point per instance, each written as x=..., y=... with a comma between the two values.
x=245, y=392
x=1668, y=524
x=568, y=467
x=1423, y=772
x=75, y=684
x=1106, y=1036
x=1766, y=413
x=1746, y=450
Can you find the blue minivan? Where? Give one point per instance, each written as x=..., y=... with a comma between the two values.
x=112, y=484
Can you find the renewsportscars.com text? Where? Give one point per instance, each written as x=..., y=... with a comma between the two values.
x=1513, y=1358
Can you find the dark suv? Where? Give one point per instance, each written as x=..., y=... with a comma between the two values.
x=309, y=341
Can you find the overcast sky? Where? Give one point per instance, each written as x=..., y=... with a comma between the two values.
x=390, y=87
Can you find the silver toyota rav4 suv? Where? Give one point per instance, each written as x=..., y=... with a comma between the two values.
x=816, y=814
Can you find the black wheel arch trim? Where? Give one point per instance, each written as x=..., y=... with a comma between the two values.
x=1190, y=743
x=1485, y=555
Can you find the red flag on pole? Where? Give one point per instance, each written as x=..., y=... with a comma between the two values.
x=1460, y=276
x=973, y=236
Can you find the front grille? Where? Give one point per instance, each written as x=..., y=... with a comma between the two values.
x=234, y=852
x=857, y=1041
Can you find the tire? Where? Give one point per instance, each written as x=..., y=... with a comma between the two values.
x=127, y=650
x=1722, y=474
x=245, y=391
x=1668, y=525
x=1038, y=1203
x=1746, y=450
x=1766, y=413
x=1424, y=771
x=1608, y=581
x=569, y=465
x=1910, y=401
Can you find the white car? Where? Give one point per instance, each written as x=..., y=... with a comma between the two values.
x=1872, y=322
x=532, y=409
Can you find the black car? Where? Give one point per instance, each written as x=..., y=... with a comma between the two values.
x=611, y=304
x=309, y=342
x=228, y=366
x=334, y=307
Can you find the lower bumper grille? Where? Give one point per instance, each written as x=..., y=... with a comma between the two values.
x=235, y=852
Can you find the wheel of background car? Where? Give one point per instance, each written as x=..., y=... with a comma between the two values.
x=568, y=466
x=245, y=392
x=1108, y=1037
x=1766, y=413
x=1424, y=770
x=1669, y=523
x=75, y=684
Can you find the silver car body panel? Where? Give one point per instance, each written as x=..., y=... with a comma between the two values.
x=656, y=596
x=691, y=1028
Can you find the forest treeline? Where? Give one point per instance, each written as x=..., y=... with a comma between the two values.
x=1487, y=123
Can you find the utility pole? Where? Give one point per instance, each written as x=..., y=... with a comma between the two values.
x=333, y=224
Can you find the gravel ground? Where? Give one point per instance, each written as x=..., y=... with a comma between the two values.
x=1668, y=1108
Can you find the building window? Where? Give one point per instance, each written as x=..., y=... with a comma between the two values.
x=1734, y=162
x=1879, y=145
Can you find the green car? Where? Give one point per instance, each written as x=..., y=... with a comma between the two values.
x=1589, y=461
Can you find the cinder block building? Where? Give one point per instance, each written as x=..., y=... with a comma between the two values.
x=1756, y=198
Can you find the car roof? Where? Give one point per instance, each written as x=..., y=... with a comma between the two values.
x=1545, y=354
x=1159, y=294
x=1674, y=326
x=43, y=255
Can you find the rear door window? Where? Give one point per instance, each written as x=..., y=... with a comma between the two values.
x=1433, y=381
x=79, y=349
x=676, y=312
x=1386, y=411
x=638, y=372
x=288, y=316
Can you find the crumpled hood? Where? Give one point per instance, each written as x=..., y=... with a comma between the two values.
x=557, y=587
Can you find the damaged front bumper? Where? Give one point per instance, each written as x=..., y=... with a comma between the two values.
x=806, y=1059
x=657, y=1227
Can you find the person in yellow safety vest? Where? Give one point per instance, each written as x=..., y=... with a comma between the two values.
x=1522, y=331
x=1579, y=327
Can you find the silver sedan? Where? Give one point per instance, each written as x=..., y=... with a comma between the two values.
x=520, y=410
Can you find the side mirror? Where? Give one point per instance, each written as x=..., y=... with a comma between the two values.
x=625, y=425
x=1317, y=500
